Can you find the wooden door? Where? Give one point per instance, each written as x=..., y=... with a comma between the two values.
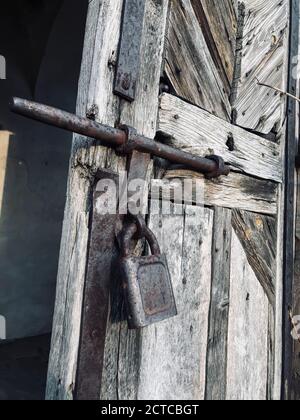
x=224, y=251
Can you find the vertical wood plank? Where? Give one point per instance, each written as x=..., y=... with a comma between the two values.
x=271, y=356
x=219, y=307
x=173, y=360
x=123, y=347
x=96, y=96
x=218, y=20
x=247, y=370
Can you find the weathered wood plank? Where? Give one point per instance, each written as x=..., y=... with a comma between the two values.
x=85, y=160
x=271, y=356
x=278, y=348
x=264, y=46
x=197, y=131
x=296, y=302
x=173, y=360
x=235, y=191
x=218, y=20
x=292, y=132
x=95, y=94
x=258, y=235
x=219, y=308
x=247, y=369
x=121, y=364
x=189, y=65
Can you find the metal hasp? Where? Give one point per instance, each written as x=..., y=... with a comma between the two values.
x=102, y=258
x=124, y=140
x=129, y=58
x=148, y=290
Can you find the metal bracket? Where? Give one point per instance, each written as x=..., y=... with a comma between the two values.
x=129, y=58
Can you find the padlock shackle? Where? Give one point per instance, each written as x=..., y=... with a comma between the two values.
x=128, y=235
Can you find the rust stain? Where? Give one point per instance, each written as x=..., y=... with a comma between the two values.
x=259, y=223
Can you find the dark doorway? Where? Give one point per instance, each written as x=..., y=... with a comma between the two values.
x=42, y=43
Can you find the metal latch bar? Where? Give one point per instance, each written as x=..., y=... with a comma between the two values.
x=125, y=140
x=129, y=58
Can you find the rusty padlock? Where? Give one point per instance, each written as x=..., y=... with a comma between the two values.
x=147, y=282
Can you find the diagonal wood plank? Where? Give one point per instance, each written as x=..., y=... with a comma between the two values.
x=258, y=235
x=197, y=131
x=235, y=191
x=263, y=57
x=296, y=303
x=121, y=364
x=218, y=21
x=95, y=92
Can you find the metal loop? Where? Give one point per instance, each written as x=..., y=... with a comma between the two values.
x=141, y=225
x=138, y=230
x=129, y=146
x=221, y=168
x=153, y=242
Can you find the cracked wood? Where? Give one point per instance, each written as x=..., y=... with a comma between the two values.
x=197, y=131
x=234, y=191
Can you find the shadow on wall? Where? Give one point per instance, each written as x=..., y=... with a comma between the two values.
x=34, y=158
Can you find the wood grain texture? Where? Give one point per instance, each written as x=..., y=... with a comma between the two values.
x=173, y=360
x=216, y=371
x=234, y=192
x=95, y=92
x=121, y=364
x=247, y=369
x=86, y=158
x=218, y=21
x=263, y=56
x=189, y=65
x=258, y=235
x=278, y=348
x=197, y=131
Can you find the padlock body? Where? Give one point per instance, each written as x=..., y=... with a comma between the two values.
x=148, y=290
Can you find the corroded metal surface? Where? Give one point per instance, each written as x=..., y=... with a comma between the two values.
x=125, y=140
x=103, y=254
